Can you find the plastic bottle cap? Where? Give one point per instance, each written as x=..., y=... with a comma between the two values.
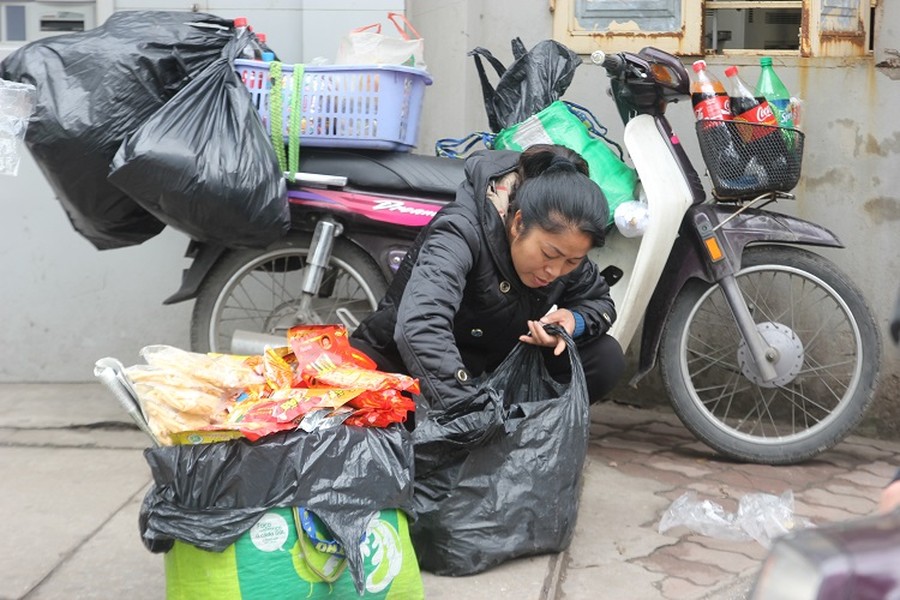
x=732, y=70
x=765, y=61
x=268, y=56
x=261, y=37
x=240, y=21
x=699, y=65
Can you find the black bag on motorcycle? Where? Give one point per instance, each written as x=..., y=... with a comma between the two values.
x=531, y=83
x=203, y=163
x=499, y=477
x=94, y=89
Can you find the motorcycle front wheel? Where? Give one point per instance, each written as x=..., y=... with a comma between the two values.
x=827, y=358
x=259, y=291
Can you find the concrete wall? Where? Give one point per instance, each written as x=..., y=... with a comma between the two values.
x=850, y=172
x=65, y=304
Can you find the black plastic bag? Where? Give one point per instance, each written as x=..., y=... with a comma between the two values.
x=500, y=479
x=532, y=82
x=204, y=164
x=208, y=495
x=94, y=89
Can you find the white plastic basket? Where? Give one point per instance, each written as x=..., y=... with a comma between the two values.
x=346, y=106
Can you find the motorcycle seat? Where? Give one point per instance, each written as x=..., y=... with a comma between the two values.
x=388, y=171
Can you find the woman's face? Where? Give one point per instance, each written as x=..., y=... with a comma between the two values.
x=539, y=256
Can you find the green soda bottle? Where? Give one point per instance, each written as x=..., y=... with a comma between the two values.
x=772, y=89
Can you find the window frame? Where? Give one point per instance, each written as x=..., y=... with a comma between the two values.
x=818, y=35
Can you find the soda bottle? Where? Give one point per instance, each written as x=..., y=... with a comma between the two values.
x=746, y=107
x=774, y=91
x=708, y=95
x=711, y=104
x=252, y=51
x=768, y=153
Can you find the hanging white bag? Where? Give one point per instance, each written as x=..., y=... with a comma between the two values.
x=366, y=45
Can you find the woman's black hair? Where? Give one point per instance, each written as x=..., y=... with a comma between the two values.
x=555, y=193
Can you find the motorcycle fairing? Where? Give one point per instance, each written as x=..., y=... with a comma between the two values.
x=688, y=260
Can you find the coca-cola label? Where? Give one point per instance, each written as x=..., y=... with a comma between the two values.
x=716, y=107
x=761, y=114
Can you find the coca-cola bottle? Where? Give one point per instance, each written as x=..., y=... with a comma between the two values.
x=768, y=153
x=746, y=107
x=712, y=108
x=708, y=95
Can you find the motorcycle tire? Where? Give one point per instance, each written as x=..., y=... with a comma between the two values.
x=259, y=291
x=827, y=364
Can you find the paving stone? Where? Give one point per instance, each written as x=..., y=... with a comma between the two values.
x=670, y=478
x=863, y=450
x=830, y=498
x=821, y=515
x=676, y=588
x=690, y=470
x=668, y=430
x=618, y=455
x=694, y=572
x=617, y=441
x=750, y=548
x=589, y=582
x=880, y=468
x=884, y=445
x=742, y=481
x=863, y=478
x=733, y=562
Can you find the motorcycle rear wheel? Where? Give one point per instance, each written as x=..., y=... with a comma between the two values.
x=828, y=359
x=259, y=291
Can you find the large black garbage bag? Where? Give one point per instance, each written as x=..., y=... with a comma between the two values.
x=499, y=479
x=204, y=164
x=209, y=494
x=534, y=80
x=94, y=89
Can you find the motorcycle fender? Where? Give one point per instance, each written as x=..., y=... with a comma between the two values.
x=688, y=260
x=205, y=256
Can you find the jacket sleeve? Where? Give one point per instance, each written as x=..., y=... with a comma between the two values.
x=587, y=293
x=425, y=316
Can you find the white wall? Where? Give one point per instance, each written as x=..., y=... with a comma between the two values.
x=65, y=304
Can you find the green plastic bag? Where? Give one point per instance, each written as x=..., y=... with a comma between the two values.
x=276, y=560
x=556, y=124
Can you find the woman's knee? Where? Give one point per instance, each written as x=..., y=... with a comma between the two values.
x=604, y=365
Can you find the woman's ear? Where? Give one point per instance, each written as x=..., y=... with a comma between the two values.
x=516, y=226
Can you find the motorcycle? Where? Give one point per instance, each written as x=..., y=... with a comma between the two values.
x=768, y=352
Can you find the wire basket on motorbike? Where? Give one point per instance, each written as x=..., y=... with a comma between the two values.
x=747, y=159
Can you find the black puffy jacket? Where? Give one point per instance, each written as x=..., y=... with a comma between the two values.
x=456, y=306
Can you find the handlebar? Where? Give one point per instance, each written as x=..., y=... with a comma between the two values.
x=613, y=63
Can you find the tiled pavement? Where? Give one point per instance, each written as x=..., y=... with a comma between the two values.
x=72, y=481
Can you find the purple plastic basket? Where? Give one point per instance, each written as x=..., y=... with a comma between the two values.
x=346, y=106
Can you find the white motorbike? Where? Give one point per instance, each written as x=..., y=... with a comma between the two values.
x=768, y=352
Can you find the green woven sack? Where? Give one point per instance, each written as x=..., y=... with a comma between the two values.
x=273, y=561
x=556, y=124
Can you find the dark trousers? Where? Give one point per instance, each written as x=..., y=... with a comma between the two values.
x=603, y=362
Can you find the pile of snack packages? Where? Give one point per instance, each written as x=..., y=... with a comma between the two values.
x=317, y=381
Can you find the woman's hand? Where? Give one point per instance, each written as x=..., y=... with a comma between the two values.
x=538, y=337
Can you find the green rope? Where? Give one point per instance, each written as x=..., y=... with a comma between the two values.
x=276, y=100
x=294, y=124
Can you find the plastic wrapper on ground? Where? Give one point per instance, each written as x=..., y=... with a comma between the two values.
x=761, y=517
